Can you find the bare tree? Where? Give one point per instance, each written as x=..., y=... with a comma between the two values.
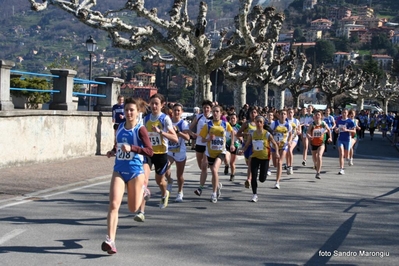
x=184, y=39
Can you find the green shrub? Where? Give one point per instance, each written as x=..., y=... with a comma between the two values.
x=33, y=98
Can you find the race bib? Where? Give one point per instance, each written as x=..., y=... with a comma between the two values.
x=342, y=128
x=217, y=144
x=317, y=133
x=278, y=137
x=155, y=139
x=121, y=155
x=258, y=145
x=173, y=147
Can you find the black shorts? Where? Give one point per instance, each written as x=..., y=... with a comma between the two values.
x=211, y=161
x=116, y=126
x=200, y=148
x=314, y=148
x=160, y=162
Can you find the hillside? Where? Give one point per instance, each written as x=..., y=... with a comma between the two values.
x=36, y=40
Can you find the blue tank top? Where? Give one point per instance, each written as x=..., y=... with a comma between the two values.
x=128, y=161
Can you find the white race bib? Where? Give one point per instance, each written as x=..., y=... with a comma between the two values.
x=155, y=139
x=121, y=155
x=217, y=144
x=317, y=133
x=258, y=145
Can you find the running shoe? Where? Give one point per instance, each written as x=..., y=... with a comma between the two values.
x=226, y=169
x=246, y=184
x=198, y=191
x=304, y=162
x=288, y=170
x=139, y=217
x=350, y=162
x=147, y=194
x=219, y=190
x=291, y=170
x=269, y=173
x=317, y=176
x=231, y=178
x=214, y=199
x=277, y=185
x=108, y=246
x=179, y=197
x=341, y=172
x=254, y=198
x=284, y=166
x=169, y=186
x=164, y=201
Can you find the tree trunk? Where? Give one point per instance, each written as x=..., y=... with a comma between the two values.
x=263, y=99
x=295, y=100
x=279, y=98
x=203, y=89
x=242, y=93
x=385, y=103
x=360, y=103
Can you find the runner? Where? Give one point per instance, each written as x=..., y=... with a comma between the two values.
x=132, y=143
x=373, y=125
x=231, y=157
x=330, y=122
x=246, y=129
x=344, y=128
x=296, y=131
x=282, y=133
x=213, y=134
x=199, y=121
x=177, y=150
x=305, y=119
x=160, y=130
x=260, y=140
x=354, y=136
x=316, y=133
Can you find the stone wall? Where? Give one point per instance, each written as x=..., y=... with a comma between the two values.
x=35, y=136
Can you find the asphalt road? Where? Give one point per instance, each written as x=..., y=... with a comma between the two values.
x=338, y=220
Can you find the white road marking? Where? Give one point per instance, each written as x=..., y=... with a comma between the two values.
x=11, y=235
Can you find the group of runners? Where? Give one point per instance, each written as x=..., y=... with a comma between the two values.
x=264, y=138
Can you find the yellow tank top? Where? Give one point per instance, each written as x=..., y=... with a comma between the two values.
x=260, y=145
x=158, y=142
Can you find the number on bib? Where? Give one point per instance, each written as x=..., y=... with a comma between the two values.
x=155, y=138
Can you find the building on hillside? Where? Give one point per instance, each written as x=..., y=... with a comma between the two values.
x=313, y=35
x=387, y=31
x=395, y=38
x=365, y=11
x=143, y=92
x=347, y=29
x=344, y=59
x=303, y=45
x=350, y=20
x=321, y=24
x=147, y=79
x=287, y=36
x=309, y=4
x=371, y=22
x=335, y=13
x=384, y=61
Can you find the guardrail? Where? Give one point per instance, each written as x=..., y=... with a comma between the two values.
x=63, y=80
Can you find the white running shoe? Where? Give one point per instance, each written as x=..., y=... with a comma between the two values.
x=269, y=173
x=277, y=185
x=291, y=170
x=179, y=197
x=350, y=162
x=341, y=172
x=254, y=198
x=214, y=199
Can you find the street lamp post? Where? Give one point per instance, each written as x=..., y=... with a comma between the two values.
x=167, y=66
x=91, y=46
